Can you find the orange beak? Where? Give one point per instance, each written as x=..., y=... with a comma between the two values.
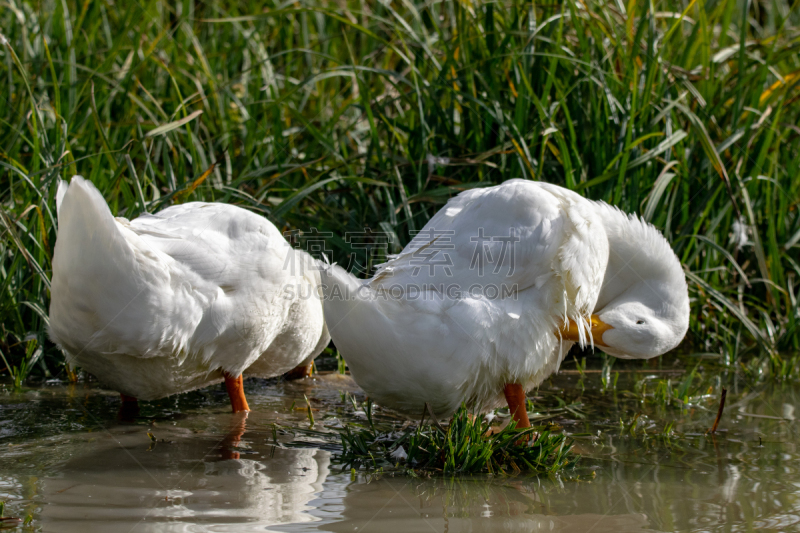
x=598, y=327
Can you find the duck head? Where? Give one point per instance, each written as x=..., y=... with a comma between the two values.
x=643, y=307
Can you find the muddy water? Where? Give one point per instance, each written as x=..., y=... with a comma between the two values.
x=68, y=463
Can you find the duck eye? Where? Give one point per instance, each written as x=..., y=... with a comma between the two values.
x=640, y=321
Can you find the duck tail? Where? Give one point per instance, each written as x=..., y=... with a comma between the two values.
x=349, y=306
x=93, y=265
x=383, y=337
x=340, y=289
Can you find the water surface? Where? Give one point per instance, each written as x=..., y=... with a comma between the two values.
x=68, y=463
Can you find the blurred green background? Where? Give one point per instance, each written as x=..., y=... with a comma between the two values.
x=348, y=115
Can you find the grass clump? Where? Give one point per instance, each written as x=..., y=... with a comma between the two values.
x=465, y=446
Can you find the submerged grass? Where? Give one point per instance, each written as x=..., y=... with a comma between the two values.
x=464, y=446
x=467, y=448
x=371, y=115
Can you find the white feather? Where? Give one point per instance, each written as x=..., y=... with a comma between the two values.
x=167, y=302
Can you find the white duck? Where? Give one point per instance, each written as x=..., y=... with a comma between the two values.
x=488, y=298
x=175, y=301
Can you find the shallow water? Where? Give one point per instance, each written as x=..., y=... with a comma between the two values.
x=68, y=464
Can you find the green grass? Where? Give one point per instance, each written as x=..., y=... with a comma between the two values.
x=353, y=115
x=461, y=447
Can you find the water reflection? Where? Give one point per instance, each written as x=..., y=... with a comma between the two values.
x=394, y=504
x=182, y=482
x=67, y=462
x=622, y=497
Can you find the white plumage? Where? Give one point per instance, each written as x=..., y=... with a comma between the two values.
x=168, y=302
x=433, y=326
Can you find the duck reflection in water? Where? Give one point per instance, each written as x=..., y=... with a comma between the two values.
x=182, y=481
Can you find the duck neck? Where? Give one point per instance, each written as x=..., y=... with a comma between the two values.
x=637, y=252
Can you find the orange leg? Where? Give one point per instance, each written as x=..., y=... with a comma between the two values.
x=515, y=397
x=300, y=372
x=235, y=387
x=234, y=437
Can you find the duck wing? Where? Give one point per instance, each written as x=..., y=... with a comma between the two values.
x=239, y=265
x=504, y=240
